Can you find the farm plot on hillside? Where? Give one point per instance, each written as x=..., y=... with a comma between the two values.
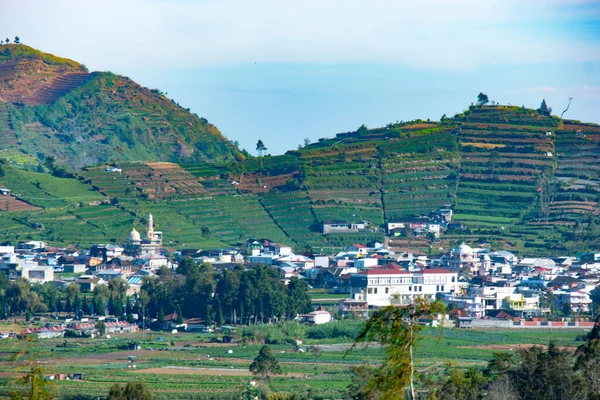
x=292, y=213
x=344, y=174
x=499, y=185
x=252, y=218
x=418, y=175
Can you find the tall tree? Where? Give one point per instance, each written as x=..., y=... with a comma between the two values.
x=265, y=363
x=544, y=109
x=17, y=40
x=261, y=148
x=482, y=99
x=397, y=329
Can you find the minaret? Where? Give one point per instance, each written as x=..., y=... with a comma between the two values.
x=150, y=234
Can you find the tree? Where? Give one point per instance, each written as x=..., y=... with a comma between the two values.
x=17, y=40
x=101, y=327
x=482, y=99
x=161, y=317
x=265, y=363
x=131, y=391
x=544, y=109
x=260, y=147
x=397, y=329
x=205, y=232
x=179, y=315
x=7, y=40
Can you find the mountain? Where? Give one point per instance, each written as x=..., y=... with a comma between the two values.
x=515, y=177
x=52, y=106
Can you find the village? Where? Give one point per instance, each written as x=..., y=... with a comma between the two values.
x=481, y=287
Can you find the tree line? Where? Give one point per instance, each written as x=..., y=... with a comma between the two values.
x=240, y=295
x=255, y=295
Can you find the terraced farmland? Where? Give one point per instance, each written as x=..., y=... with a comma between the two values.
x=111, y=184
x=252, y=217
x=57, y=87
x=419, y=173
x=503, y=166
x=213, y=178
x=13, y=204
x=293, y=214
x=347, y=173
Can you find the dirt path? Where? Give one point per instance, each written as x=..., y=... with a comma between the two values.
x=204, y=371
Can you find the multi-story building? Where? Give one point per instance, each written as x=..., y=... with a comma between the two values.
x=392, y=284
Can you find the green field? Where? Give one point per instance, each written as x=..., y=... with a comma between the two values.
x=204, y=370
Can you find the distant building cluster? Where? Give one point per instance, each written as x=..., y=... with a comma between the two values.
x=480, y=285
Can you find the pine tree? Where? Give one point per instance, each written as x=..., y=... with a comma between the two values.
x=265, y=363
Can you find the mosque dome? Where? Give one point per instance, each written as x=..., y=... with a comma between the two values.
x=134, y=236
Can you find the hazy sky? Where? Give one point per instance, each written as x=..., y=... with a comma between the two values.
x=282, y=70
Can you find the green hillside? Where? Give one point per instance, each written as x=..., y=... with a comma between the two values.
x=54, y=107
x=520, y=180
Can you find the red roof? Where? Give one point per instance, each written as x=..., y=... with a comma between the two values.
x=436, y=271
x=359, y=246
x=388, y=269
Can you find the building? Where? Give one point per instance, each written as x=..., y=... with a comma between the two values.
x=342, y=227
x=392, y=284
x=38, y=273
x=146, y=244
x=319, y=316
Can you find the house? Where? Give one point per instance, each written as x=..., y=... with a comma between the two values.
x=74, y=268
x=4, y=192
x=108, y=274
x=342, y=226
x=367, y=262
x=359, y=249
x=38, y=273
x=354, y=306
x=32, y=246
x=319, y=316
x=88, y=283
x=391, y=283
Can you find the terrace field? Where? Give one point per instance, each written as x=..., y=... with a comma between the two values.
x=513, y=177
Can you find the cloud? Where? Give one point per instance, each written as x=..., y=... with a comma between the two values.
x=424, y=34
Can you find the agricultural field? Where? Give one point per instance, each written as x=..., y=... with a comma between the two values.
x=419, y=173
x=187, y=365
x=507, y=156
x=252, y=218
x=293, y=214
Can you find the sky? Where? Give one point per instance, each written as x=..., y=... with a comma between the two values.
x=283, y=71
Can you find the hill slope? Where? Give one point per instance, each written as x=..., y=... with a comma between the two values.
x=54, y=106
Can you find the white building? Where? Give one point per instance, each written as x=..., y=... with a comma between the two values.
x=319, y=316
x=38, y=273
x=393, y=284
x=362, y=263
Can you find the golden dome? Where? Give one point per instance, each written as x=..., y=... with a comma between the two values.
x=134, y=236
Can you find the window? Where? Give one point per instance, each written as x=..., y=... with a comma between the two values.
x=410, y=288
x=443, y=288
x=387, y=290
x=370, y=291
x=375, y=291
x=420, y=288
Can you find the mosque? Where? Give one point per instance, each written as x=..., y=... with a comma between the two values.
x=145, y=244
